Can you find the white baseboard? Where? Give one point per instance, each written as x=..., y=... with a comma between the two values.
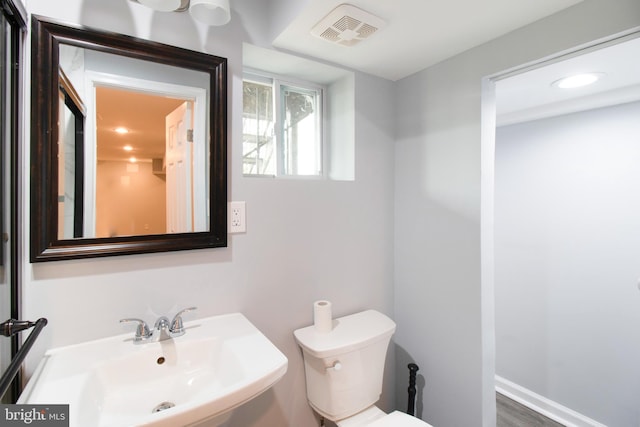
x=544, y=406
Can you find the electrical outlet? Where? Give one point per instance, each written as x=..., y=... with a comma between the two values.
x=237, y=217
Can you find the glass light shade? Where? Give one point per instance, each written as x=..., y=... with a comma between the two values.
x=162, y=5
x=211, y=12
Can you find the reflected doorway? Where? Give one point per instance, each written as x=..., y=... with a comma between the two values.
x=132, y=196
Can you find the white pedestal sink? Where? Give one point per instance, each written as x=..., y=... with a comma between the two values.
x=220, y=363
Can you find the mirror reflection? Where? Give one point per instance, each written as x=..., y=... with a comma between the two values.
x=129, y=145
x=70, y=160
x=142, y=160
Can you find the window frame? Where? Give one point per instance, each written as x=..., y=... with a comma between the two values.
x=277, y=83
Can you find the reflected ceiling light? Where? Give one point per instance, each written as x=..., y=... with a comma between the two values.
x=122, y=130
x=211, y=12
x=132, y=159
x=127, y=148
x=577, y=80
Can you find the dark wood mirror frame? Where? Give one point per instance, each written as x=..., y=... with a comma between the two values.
x=46, y=35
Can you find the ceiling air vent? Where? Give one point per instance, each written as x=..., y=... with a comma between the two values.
x=347, y=25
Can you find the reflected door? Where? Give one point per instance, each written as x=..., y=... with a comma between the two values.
x=179, y=152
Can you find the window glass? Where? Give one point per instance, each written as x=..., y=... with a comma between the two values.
x=301, y=145
x=258, y=138
x=282, y=128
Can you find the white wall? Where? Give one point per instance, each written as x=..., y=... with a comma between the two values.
x=567, y=237
x=341, y=129
x=444, y=311
x=305, y=239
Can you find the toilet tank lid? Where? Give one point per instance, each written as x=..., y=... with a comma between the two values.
x=349, y=333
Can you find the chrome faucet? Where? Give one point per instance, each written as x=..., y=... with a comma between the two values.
x=142, y=330
x=162, y=329
x=177, y=328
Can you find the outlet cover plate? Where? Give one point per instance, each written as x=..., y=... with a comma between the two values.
x=237, y=217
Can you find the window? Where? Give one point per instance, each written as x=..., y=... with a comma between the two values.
x=282, y=127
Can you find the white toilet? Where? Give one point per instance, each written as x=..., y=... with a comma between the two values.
x=344, y=369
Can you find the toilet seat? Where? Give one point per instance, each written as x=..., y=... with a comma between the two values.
x=399, y=419
x=375, y=417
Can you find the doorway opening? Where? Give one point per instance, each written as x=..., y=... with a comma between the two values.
x=558, y=206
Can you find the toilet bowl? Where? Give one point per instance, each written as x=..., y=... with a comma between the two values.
x=375, y=417
x=344, y=369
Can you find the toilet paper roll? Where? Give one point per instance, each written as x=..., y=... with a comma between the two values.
x=322, y=319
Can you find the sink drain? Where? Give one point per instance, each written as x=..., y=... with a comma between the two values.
x=163, y=406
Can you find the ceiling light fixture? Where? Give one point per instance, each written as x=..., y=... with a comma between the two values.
x=121, y=130
x=127, y=148
x=577, y=80
x=210, y=12
x=166, y=5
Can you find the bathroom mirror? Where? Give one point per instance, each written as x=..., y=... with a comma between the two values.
x=128, y=145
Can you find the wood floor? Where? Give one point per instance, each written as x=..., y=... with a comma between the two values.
x=513, y=414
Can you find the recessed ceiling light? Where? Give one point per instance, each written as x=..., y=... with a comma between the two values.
x=122, y=130
x=577, y=80
x=127, y=148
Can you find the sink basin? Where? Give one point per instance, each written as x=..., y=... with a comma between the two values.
x=220, y=363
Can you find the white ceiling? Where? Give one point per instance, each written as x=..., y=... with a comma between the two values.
x=418, y=33
x=530, y=95
x=283, y=64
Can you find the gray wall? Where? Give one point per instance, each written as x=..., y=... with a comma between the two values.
x=443, y=308
x=305, y=240
x=567, y=239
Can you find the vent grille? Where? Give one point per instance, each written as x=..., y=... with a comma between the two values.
x=331, y=35
x=366, y=30
x=347, y=25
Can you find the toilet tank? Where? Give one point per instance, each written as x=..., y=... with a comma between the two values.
x=344, y=367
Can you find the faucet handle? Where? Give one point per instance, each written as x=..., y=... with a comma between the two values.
x=176, y=327
x=142, y=330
